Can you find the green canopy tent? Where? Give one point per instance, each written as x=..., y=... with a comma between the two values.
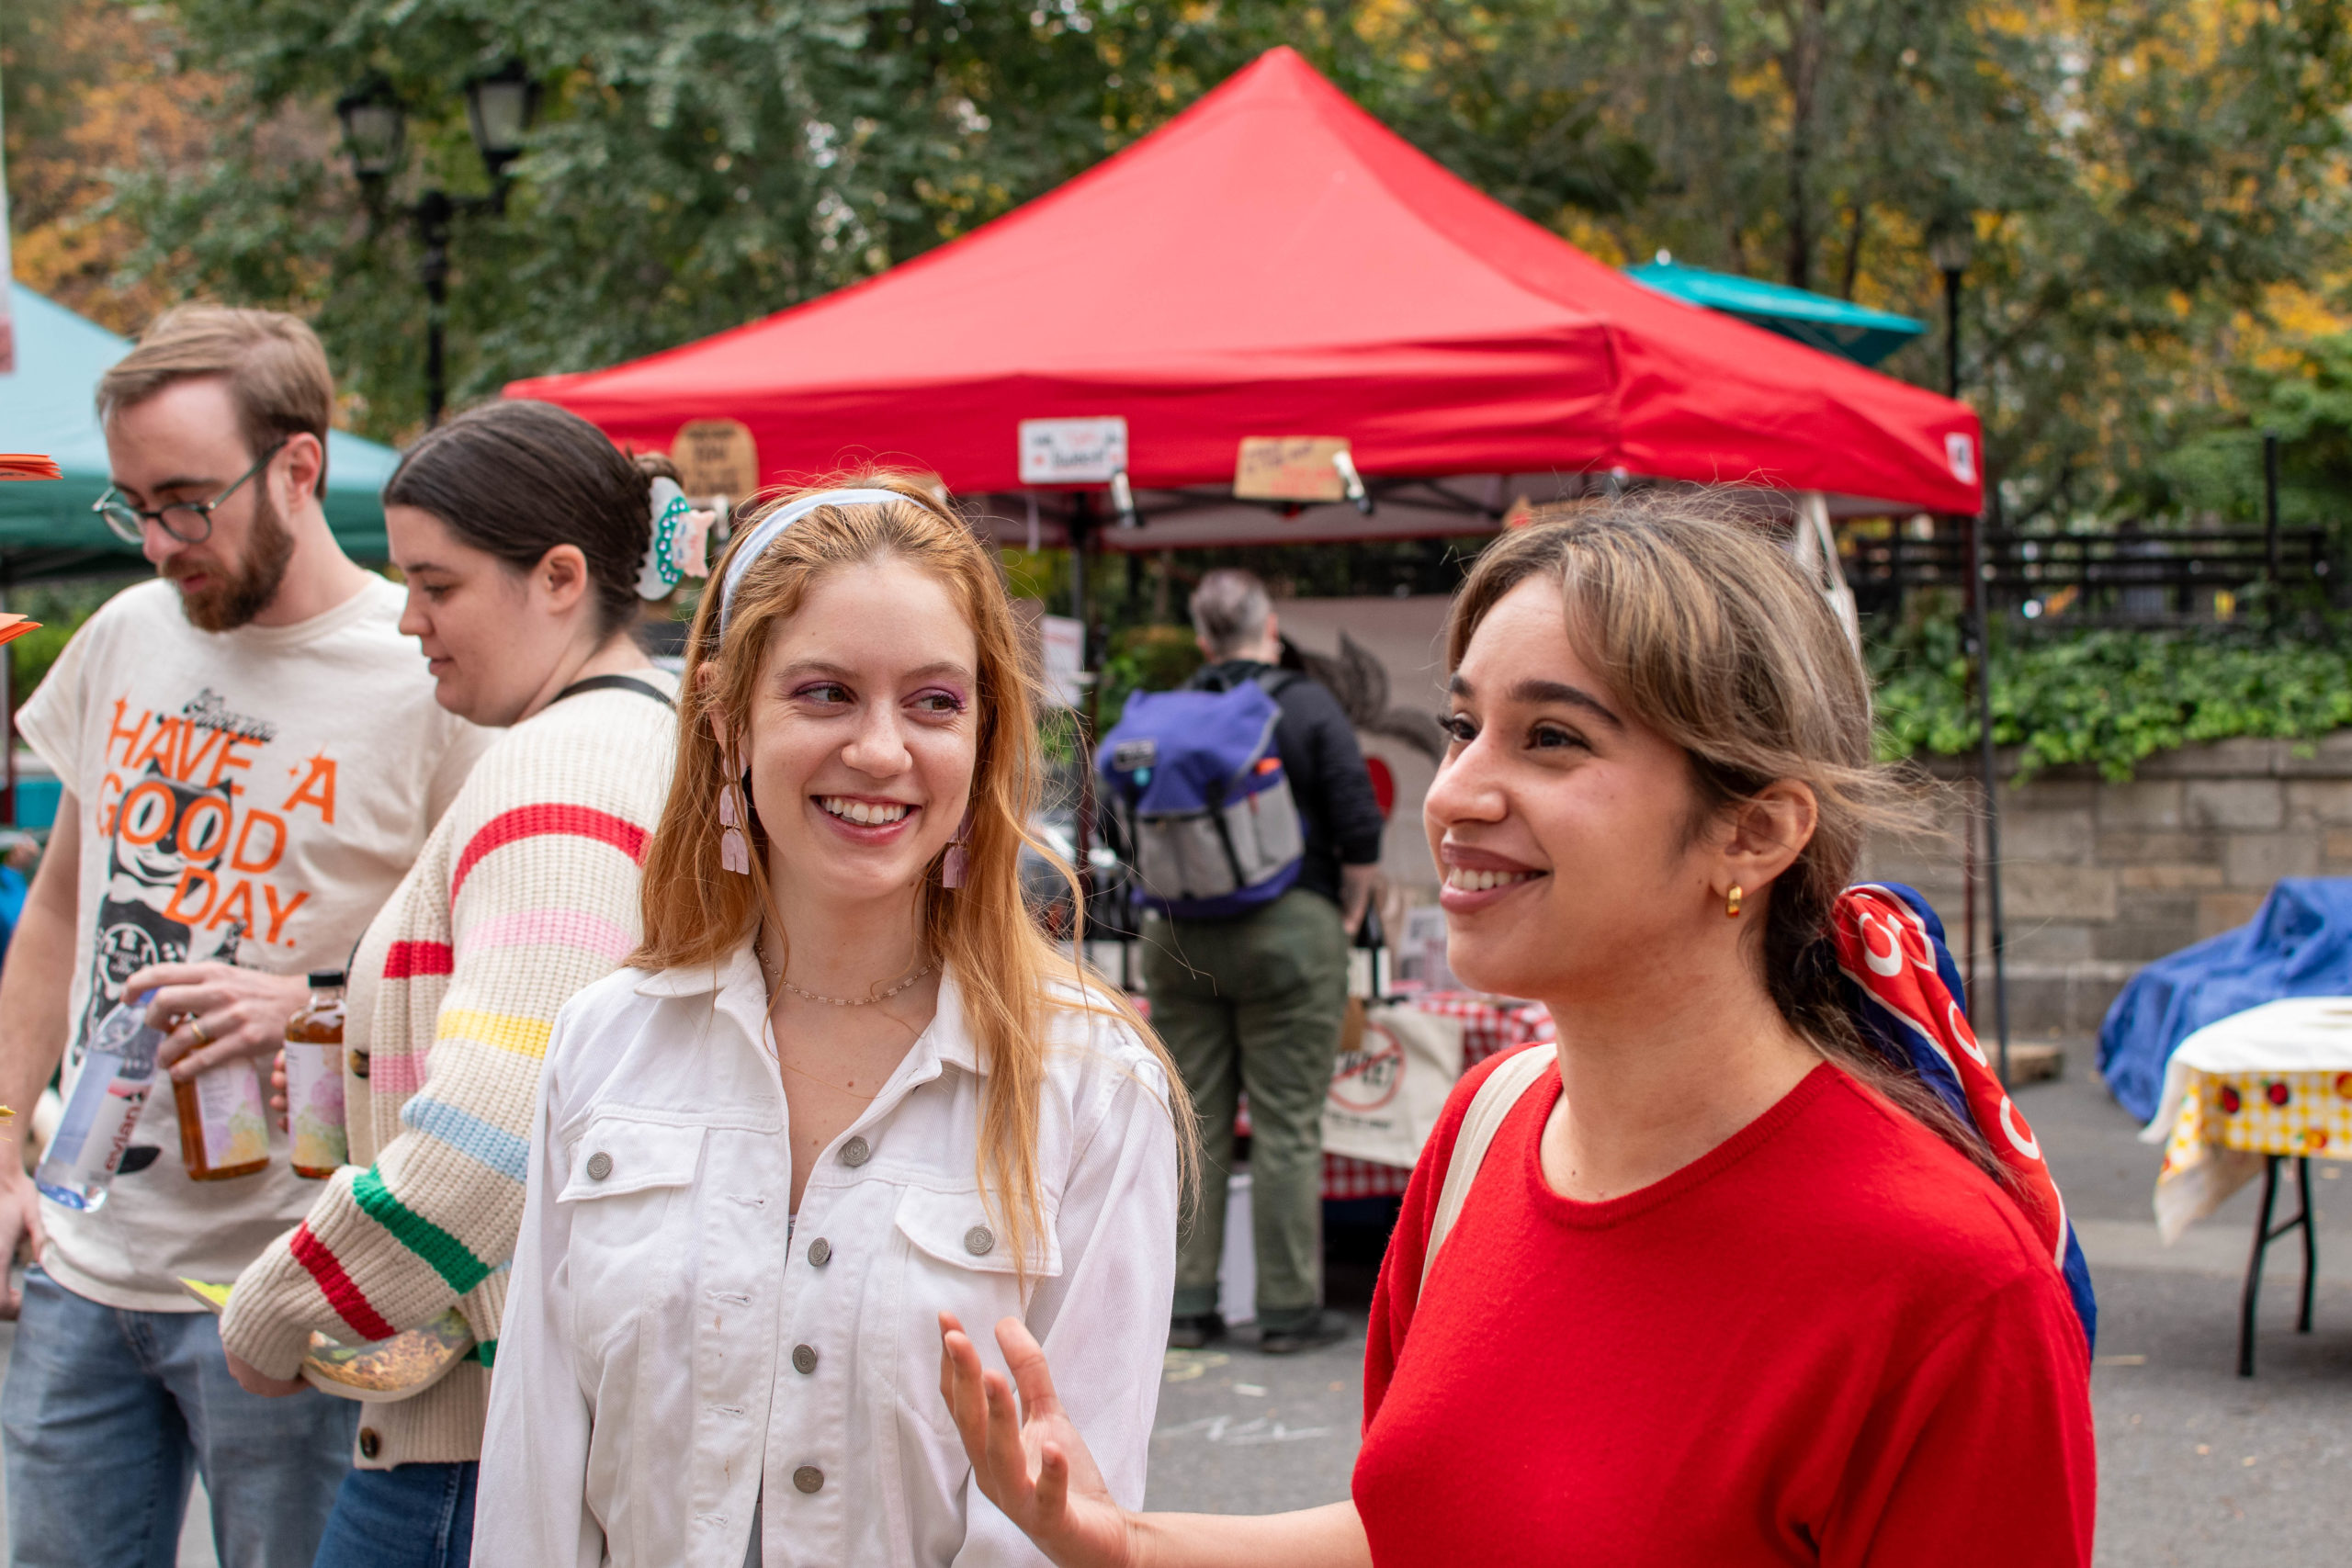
x=49, y=405
x=1834, y=326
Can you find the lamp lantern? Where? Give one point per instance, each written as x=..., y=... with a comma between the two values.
x=500, y=108
x=374, y=130
x=1951, y=245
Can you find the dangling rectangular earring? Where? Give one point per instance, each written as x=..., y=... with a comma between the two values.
x=959, y=860
x=734, y=850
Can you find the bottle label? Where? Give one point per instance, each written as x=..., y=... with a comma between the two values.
x=118, y=1071
x=236, y=1121
x=100, y=1117
x=314, y=1105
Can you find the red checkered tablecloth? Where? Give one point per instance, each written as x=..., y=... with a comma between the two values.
x=1488, y=1028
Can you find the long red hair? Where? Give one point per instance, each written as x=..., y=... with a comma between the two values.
x=1011, y=976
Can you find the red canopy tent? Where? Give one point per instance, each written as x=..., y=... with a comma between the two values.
x=1276, y=262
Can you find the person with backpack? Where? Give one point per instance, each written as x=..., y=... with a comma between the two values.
x=1757, y=1266
x=1256, y=838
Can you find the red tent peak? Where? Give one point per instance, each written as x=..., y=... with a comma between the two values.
x=1274, y=261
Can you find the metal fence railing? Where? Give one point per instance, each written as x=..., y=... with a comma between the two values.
x=2129, y=574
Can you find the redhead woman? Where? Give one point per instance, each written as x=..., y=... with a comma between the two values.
x=846, y=1079
x=523, y=535
x=1715, y=1282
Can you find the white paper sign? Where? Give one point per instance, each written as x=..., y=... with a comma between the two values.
x=1072, y=451
x=1065, y=650
x=1961, y=452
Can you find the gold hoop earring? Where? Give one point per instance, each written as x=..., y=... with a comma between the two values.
x=1731, y=903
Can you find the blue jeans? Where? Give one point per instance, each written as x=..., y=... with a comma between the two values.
x=105, y=1410
x=412, y=1516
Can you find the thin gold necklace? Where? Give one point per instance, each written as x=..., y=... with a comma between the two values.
x=837, y=1089
x=775, y=977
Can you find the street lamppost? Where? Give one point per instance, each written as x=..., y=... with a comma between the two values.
x=1951, y=245
x=499, y=109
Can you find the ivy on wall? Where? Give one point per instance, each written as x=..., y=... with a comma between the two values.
x=2109, y=698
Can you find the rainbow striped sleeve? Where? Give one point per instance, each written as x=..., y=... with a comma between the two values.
x=534, y=899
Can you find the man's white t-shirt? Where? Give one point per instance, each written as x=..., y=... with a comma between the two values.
x=281, y=779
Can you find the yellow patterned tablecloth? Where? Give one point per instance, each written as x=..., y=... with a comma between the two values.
x=2273, y=1081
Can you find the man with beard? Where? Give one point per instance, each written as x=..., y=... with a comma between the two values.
x=252, y=757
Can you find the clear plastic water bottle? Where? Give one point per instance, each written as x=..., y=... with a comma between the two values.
x=118, y=1071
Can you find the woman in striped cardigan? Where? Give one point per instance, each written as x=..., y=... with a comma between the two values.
x=525, y=539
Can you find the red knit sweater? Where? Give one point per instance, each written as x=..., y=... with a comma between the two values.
x=1830, y=1340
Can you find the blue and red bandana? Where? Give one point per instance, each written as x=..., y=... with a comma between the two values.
x=1904, y=993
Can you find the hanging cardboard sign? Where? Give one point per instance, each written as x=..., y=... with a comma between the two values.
x=716, y=456
x=1290, y=467
x=1072, y=451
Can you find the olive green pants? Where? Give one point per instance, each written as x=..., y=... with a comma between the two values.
x=1255, y=1004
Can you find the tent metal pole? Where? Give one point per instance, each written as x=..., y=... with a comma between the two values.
x=1991, y=773
x=1081, y=528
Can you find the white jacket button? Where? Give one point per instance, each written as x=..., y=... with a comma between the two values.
x=979, y=1241
x=856, y=1152
x=821, y=1252
x=808, y=1478
x=804, y=1358
x=600, y=1165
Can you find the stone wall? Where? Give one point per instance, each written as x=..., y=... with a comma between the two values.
x=2098, y=878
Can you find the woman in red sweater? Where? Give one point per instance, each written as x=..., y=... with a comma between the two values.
x=1730, y=1288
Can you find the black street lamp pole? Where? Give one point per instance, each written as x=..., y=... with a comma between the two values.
x=1950, y=245
x=431, y=214
x=498, y=110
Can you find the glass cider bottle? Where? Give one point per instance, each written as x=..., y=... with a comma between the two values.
x=315, y=1115
x=223, y=1115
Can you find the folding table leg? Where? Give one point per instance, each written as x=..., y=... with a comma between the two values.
x=2310, y=1239
x=2254, y=1267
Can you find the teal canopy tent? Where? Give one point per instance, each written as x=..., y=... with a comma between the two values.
x=49, y=405
x=1834, y=326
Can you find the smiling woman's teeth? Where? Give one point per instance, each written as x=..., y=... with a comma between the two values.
x=862, y=812
x=1479, y=881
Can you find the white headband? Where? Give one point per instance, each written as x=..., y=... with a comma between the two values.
x=772, y=527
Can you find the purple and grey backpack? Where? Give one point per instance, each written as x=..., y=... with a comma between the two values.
x=1200, y=787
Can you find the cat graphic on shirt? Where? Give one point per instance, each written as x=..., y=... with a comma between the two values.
x=146, y=862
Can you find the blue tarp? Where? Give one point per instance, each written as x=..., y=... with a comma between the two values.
x=1834, y=326
x=2298, y=945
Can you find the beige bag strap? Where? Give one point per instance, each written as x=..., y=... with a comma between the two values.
x=1502, y=1090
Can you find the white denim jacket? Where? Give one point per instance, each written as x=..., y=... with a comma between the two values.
x=665, y=1364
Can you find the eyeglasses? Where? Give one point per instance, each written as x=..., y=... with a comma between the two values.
x=189, y=522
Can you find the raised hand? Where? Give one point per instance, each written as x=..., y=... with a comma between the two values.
x=1031, y=1462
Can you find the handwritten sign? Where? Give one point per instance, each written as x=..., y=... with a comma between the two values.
x=716, y=456
x=1072, y=451
x=1290, y=467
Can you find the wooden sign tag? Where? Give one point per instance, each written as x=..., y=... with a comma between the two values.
x=716, y=456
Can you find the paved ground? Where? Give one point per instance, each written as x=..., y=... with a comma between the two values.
x=2198, y=1467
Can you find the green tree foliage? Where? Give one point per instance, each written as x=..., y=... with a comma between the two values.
x=2148, y=178
x=2308, y=403
x=698, y=162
